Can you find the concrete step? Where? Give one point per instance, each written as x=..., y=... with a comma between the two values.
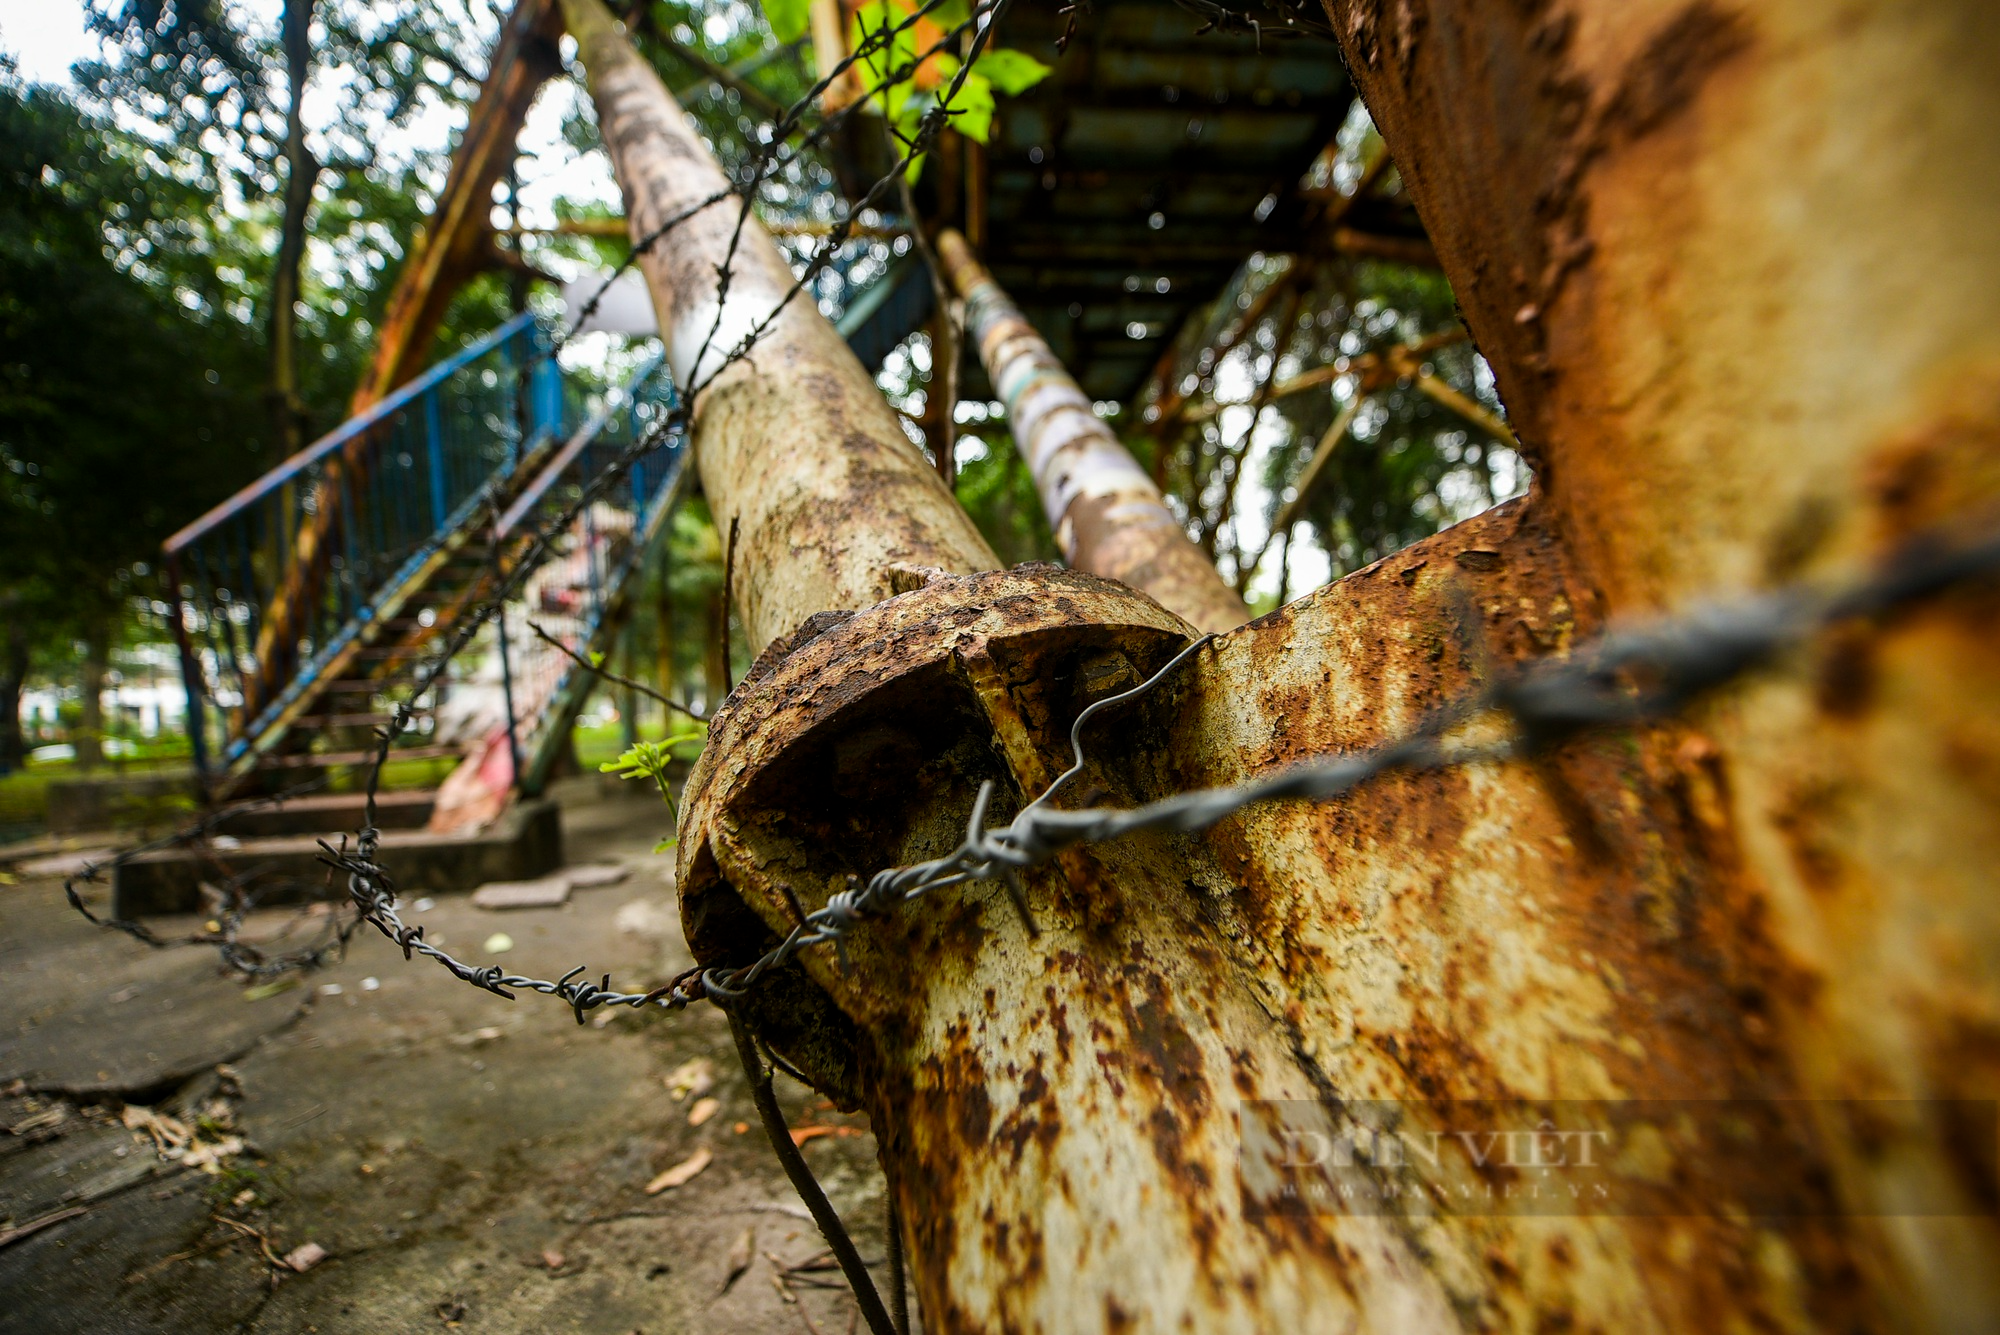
x=525, y=842
x=335, y=813
x=321, y=722
x=322, y=759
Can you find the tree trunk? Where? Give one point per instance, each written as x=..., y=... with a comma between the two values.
x=301, y=170
x=90, y=692
x=1108, y=516
x=14, y=659
x=1782, y=898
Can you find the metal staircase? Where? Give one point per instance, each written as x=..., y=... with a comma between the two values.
x=304, y=604
x=305, y=601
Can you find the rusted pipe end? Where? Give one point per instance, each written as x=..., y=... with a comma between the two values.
x=857, y=744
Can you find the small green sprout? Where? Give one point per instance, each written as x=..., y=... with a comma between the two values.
x=651, y=760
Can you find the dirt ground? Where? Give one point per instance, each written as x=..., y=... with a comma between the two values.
x=466, y=1163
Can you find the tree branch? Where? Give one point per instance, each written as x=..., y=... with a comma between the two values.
x=613, y=677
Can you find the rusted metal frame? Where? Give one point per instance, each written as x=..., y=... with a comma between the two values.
x=940, y=425
x=1476, y=413
x=343, y=435
x=620, y=229
x=939, y=421
x=268, y=729
x=1170, y=404
x=280, y=685
x=1415, y=251
x=1156, y=383
x=1288, y=516
x=1374, y=368
x=1107, y=515
x=1232, y=461
x=1340, y=205
x=977, y=191
x=455, y=245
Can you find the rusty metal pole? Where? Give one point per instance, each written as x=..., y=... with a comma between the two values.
x=1783, y=898
x=794, y=442
x=1108, y=516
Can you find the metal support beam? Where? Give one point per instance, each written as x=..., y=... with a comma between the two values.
x=1108, y=516
x=795, y=443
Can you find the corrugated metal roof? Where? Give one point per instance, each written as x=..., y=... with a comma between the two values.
x=1144, y=157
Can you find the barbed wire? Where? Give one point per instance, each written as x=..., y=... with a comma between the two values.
x=371, y=898
x=237, y=956
x=1626, y=677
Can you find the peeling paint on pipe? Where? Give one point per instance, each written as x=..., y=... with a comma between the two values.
x=1108, y=516
x=794, y=443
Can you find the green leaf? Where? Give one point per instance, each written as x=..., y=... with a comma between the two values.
x=972, y=109
x=1012, y=72
x=897, y=55
x=789, y=19
x=666, y=845
x=951, y=13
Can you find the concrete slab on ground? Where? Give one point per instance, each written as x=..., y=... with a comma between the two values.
x=526, y=841
x=331, y=813
x=105, y=1018
x=459, y=1156
x=548, y=893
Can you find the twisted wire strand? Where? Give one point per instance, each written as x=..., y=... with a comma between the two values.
x=1627, y=676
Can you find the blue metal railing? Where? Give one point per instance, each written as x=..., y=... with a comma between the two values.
x=333, y=533
x=580, y=594
x=288, y=584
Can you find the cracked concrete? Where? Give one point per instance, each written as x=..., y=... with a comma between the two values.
x=467, y=1162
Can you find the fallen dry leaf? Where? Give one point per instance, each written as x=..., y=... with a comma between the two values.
x=681, y=1173
x=740, y=1252
x=703, y=1110
x=691, y=1079
x=802, y=1134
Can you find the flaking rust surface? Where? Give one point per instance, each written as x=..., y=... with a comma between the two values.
x=1785, y=894
x=1058, y=1113
x=1740, y=358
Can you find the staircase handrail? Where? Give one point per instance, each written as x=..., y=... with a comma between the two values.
x=614, y=402
x=345, y=432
